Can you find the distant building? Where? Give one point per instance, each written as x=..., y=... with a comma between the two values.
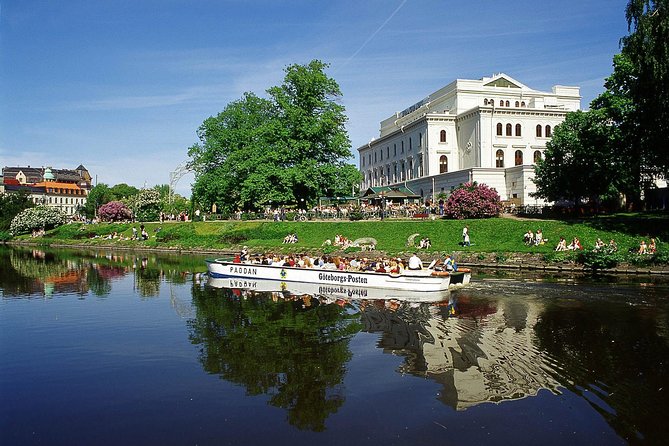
x=64, y=189
x=491, y=130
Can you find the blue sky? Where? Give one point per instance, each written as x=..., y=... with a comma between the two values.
x=122, y=86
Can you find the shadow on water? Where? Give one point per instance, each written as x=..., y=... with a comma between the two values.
x=504, y=338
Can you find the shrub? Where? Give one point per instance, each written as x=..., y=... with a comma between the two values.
x=114, y=211
x=472, y=200
x=5, y=236
x=40, y=217
x=602, y=259
x=355, y=214
x=146, y=205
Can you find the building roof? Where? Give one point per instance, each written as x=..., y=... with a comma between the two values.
x=58, y=185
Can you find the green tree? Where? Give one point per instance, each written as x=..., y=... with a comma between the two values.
x=579, y=163
x=647, y=47
x=121, y=191
x=617, y=105
x=289, y=149
x=11, y=205
x=99, y=195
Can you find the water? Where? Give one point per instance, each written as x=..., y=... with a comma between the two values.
x=129, y=348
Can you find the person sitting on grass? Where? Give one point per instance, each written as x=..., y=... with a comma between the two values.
x=562, y=245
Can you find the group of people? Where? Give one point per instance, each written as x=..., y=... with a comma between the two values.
x=650, y=248
x=575, y=245
x=290, y=238
x=392, y=265
x=425, y=243
x=534, y=239
x=600, y=245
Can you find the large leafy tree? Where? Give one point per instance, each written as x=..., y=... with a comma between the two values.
x=122, y=190
x=98, y=195
x=580, y=163
x=647, y=47
x=287, y=149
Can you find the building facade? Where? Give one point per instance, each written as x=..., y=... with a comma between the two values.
x=491, y=130
x=64, y=189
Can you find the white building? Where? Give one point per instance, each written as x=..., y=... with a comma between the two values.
x=490, y=131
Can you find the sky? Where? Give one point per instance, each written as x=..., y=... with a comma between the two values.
x=121, y=86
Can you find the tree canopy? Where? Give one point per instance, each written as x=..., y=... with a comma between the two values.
x=287, y=149
x=619, y=146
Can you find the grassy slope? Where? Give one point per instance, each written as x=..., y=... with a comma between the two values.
x=489, y=235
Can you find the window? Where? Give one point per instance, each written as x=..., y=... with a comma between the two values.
x=394, y=172
x=499, y=129
x=522, y=104
x=517, y=104
x=394, y=149
x=443, y=164
x=509, y=128
x=420, y=140
x=410, y=169
x=537, y=156
x=518, y=130
x=519, y=157
x=507, y=103
x=381, y=154
x=374, y=156
x=485, y=102
x=410, y=144
x=442, y=136
x=363, y=161
x=499, y=158
x=501, y=103
x=538, y=130
x=388, y=152
x=402, y=148
x=548, y=131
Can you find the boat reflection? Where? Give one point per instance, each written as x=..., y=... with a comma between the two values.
x=331, y=291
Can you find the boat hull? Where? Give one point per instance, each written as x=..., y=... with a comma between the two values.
x=415, y=281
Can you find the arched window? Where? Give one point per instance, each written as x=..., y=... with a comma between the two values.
x=539, y=130
x=499, y=158
x=508, y=104
x=485, y=101
x=499, y=129
x=519, y=157
x=443, y=164
x=518, y=130
x=509, y=128
x=501, y=103
x=517, y=104
x=537, y=156
x=522, y=104
x=442, y=136
x=548, y=131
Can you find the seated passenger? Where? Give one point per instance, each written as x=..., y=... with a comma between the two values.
x=415, y=262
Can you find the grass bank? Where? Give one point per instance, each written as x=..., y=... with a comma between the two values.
x=498, y=238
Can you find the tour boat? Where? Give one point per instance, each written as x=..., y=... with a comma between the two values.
x=421, y=280
x=328, y=291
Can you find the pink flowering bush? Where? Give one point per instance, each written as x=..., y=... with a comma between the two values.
x=114, y=211
x=472, y=200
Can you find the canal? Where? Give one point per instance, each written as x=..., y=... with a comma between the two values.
x=113, y=347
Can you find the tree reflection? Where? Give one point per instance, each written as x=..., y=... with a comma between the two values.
x=293, y=349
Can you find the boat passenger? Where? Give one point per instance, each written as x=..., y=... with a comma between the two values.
x=329, y=264
x=244, y=255
x=415, y=262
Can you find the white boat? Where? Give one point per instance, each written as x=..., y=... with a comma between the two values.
x=332, y=292
x=423, y=280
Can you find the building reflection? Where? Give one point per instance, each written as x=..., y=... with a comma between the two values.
x=478, y=351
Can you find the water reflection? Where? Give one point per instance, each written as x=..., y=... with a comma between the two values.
x=502, y=339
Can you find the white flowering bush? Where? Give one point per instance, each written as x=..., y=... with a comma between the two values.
x=146, y=205
x=37, y=218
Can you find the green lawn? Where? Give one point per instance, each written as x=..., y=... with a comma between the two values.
x=487, y=235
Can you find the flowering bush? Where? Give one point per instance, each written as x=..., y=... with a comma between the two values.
x=146, y=205
x=472, y=200
x=37, y=218
x=114, y=211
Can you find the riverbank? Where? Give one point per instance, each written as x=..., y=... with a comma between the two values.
x=496, y=243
